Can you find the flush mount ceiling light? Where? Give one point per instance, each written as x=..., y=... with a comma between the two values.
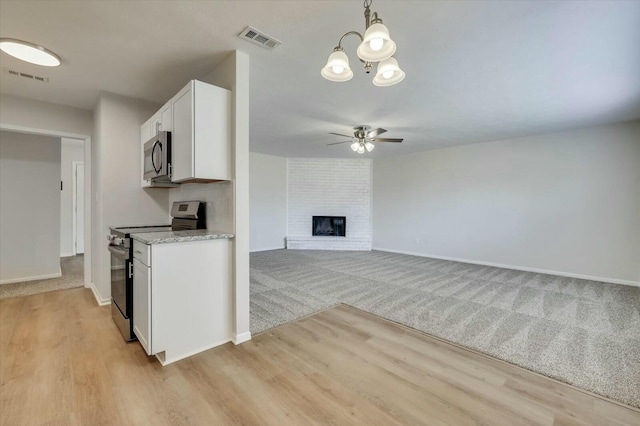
x=376, y=46
x=29, y=52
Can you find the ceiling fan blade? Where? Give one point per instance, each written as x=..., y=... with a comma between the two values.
x=338, y=143
x=340, y=134
x=375, y=132
x=388, y=140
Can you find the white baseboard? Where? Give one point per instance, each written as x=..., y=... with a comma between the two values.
x=267, y=249
x=518, y=268
x=67, y=254
x=33, y=278
x=241, y=338
x=101, y=300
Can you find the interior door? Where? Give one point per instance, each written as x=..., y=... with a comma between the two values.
x=79, y=207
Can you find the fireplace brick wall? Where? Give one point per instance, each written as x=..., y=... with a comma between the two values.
x=329, y=187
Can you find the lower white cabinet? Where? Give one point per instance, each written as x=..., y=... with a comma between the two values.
x=182, y=301
x=141, y=304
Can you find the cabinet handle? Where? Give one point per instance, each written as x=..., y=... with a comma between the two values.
x=158, y=126
x=130, y=270
x=138, y=251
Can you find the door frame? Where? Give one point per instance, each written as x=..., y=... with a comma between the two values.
x=74, y=179
x=88, y=193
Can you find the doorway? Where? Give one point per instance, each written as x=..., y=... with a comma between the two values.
x=86, y=139
x=32, y=243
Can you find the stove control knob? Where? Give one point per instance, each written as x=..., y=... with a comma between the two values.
x=118, y=241
x=110, y=238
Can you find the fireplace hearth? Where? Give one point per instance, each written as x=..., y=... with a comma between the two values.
x=329, y=226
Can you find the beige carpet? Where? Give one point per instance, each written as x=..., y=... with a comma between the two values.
x=585, y=333
x=72, y=276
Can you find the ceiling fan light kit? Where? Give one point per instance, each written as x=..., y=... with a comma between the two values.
x=360, y=146
x=29, y=52
x=375, y=46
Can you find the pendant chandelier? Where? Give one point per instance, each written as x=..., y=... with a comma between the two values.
x=375, y=46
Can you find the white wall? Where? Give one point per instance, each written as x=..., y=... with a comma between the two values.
x=118, y=197
x=44, y=115
x=233, y=74
x=267, y=201
x=71, y=150
x=329, y=187
x=29, y=207
x=567, y=202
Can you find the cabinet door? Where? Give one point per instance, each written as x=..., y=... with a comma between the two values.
x=145, y=135
x=166, y=117
x=142, y=304
x=155, y=124
x=182, y=135
x=212, y=132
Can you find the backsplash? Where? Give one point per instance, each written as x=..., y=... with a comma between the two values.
x=219, y=199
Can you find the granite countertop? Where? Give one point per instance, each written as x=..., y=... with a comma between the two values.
x=180, y=236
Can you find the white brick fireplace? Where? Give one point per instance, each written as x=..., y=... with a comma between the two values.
x=329, y=187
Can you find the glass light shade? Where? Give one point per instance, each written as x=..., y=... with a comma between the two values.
x=388, y=73
x=370, y=48
x=338, y=61
x=355, y=146
x=360, y=149
x=369, y=146
x=29, y=52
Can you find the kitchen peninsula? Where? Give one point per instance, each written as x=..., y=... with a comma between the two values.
x=183, y=294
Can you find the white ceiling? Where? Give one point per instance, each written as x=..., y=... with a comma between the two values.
x=476, y=71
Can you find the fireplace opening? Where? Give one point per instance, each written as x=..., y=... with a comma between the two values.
x=332, y=226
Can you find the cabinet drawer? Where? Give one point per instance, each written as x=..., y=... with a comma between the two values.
x=142, y=252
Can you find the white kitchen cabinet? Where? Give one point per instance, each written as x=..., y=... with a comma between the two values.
x=201, y=134
x=183, y=300
x=161, y=120
x=141, y=304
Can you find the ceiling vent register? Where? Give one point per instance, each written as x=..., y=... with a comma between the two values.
x=258, y=37
x=26, y=75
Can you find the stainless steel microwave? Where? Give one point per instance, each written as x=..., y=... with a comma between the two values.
x=157, y=157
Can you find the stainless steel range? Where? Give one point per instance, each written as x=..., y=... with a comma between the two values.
x=121, y=249
x=186, y=215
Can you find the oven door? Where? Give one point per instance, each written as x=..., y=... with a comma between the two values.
x=120, y=274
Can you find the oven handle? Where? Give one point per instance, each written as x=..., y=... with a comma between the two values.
x=120, y=252
x=131, y=270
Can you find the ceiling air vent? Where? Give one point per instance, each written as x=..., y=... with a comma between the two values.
x=259, y=38
x=26, y=75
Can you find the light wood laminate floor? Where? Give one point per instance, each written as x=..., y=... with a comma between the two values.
x=64, y=362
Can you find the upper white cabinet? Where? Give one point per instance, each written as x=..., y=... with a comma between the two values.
x=161, y=120
x=199, y=119
x=201, y=134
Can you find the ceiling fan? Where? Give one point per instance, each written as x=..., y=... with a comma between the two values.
x=363, y=138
